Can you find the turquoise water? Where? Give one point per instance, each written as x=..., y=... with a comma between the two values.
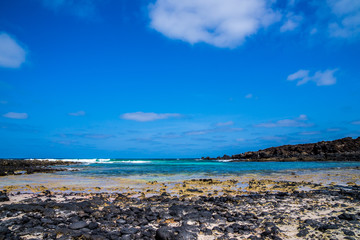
x=151, y=169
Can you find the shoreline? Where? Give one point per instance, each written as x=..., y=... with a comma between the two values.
x=59, y=180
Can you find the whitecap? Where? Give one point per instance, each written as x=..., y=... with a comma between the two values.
x=135, y=161
x=79, y=160
x=225, y=160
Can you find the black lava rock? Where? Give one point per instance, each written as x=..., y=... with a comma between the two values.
x=93, y=225
x=348, y=232
x=303, y=233
x=4, y=197
x=164, y=233
x=78, y=225
x=347, y=216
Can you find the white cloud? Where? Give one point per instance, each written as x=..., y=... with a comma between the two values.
x=347, y=21
x=228, y=23
x=15, y=115
x=298, y=74
x=321, y=78
x=12, y=55
x=225, y=23
x=77, y=114
x=147, y=117
x=221, y=124
x=300, y=121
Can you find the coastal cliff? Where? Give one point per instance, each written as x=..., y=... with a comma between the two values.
x=345, y=149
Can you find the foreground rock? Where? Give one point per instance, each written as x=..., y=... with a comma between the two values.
x=3, y=196
x=345, y=149
x=16, y=166
x=327, y=213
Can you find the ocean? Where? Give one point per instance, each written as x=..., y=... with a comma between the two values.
x=180, y=169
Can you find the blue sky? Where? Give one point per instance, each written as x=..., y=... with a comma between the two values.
x=169, y=78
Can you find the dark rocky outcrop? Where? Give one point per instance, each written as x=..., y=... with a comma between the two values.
x=20, y=166
x=317, y=214
x=345, y=149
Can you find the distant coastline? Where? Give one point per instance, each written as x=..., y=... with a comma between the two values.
x=22, y=166
x=345, y=149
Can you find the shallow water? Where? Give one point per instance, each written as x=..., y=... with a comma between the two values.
x=177, y=169
x=120, y=175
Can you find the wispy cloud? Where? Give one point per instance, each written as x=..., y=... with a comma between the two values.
x=14, y=127
x=347, y=21
x=148, y=117
x=335, y=18
x=143, y=140
x=79, y=8
x=97, y=136
x=77, y=114
x=170, y=135
x=248, y=96
x=222, y=124
x=206, y=139
x=12, y=55
x=87, y=135
x=321, y=78
x=274, y=138
x=335, y=129
x=310, y=133
x=291, y=23
x=355, y=122
x=212, y=130
x=15, y=115
x=198, y=132
x=67, y=142
x=301, y=121
x=223, y=23
x=240, y=140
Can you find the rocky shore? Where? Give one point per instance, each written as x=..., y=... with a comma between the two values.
x=345, y=149
x=19, y=166
x=256, y=209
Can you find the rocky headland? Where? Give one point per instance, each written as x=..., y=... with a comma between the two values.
x=20, y=166
x=345, y=149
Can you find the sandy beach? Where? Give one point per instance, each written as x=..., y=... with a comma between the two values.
x=297, y=205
